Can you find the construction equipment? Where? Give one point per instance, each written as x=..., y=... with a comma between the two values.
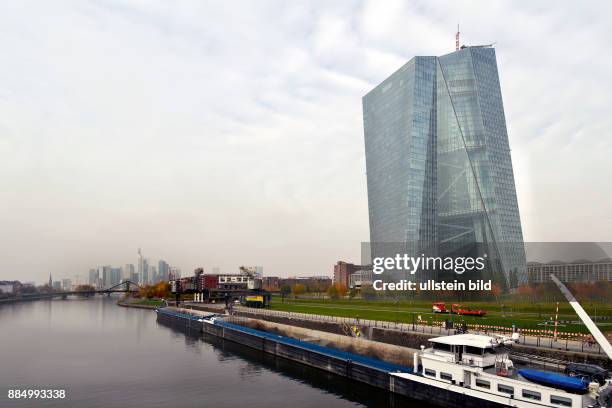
x=351, y=330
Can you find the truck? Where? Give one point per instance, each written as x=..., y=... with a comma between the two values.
x=466, y=311
x=439, y=307
x=456, y=308
x=253, y=301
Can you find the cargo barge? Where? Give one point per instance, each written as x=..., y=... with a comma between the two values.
x=440, y=375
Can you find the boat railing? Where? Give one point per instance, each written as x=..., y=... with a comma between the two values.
x=539, y=360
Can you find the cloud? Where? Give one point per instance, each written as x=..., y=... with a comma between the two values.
x=221, y=134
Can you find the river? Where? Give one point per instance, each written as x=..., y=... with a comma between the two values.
x=104, y=355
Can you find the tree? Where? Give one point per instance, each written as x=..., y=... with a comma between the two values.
x=27, y=289
x=531, y=279
x=147, y=291
x=496, y=290
x=513, y=279
x=332, y=292
x=298, y=289
x=368, y=292
x=342, y=290
x=337, y=291
x=527, y=291
x=352, y=293
x=45, y=288
x=161, y=290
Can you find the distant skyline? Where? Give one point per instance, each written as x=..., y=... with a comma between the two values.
x=230, y=133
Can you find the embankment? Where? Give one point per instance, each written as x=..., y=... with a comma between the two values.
x=414, y=340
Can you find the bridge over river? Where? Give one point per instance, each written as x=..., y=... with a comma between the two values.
x=123, y=287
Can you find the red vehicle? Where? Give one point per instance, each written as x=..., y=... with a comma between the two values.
x=460, y=310
x=439, y=307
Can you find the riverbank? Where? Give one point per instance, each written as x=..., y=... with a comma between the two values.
x=406, y=335
x=141, y=303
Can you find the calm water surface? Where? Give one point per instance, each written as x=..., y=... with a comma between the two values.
x=109, y=356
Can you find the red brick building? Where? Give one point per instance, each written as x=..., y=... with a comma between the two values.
x=342, y=271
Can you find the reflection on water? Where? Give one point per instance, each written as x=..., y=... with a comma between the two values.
x=108, y=356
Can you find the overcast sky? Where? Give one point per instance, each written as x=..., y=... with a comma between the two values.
x=227, y=133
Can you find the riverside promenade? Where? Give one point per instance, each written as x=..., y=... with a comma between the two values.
x=395, y=333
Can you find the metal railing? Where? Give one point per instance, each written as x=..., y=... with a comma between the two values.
x=538, y=338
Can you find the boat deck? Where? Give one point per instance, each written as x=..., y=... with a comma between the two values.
x=355, y=358
x=512, y=374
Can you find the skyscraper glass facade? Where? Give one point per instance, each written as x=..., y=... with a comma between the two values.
x=439, y=171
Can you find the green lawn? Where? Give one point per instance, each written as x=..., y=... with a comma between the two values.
x=147, y=302
x=524, y=315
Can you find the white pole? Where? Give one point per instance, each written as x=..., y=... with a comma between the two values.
x=556, y=321
x=582, y=314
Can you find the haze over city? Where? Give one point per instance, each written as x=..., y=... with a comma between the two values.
x=210, y=137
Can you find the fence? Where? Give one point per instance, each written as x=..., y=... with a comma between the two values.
x=531, y=337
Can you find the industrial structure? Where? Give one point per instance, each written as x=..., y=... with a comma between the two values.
x=221, y=287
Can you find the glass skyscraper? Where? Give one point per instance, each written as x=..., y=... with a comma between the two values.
x=439, y=171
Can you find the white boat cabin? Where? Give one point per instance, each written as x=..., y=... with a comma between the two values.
x=480, y=366
x=470, y=349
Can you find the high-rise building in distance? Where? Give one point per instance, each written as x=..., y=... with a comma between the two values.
x=93, y=277
x=115, y=276
x=163, y=269
x=129, y=273
x=439, y=171
x=66, y=284
x=144, y=274
x=105, y=276
x=153, y=277
x=140, y=267
x=174, y=273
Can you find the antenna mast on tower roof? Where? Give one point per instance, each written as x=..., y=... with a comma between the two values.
x=457, y=39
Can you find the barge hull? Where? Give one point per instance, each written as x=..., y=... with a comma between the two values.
x=395, y=379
